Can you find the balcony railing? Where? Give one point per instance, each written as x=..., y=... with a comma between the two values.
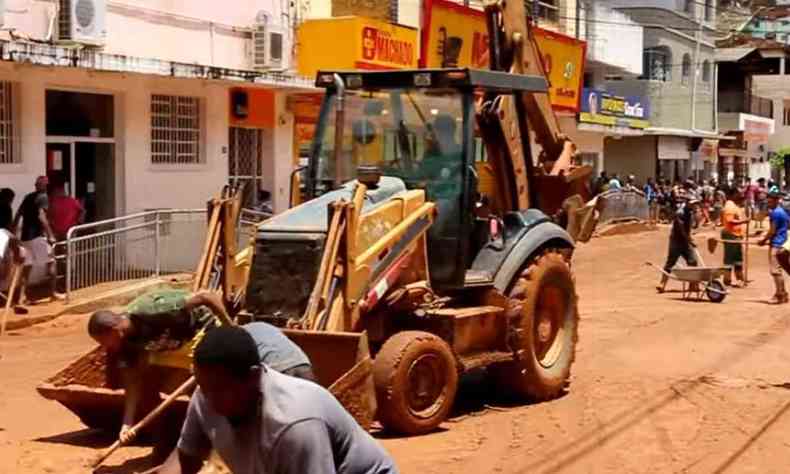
x=739, y=102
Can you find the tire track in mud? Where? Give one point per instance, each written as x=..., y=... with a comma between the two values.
x=614, y=427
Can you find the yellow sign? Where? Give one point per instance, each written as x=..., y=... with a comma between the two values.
x=454, y=36
x=355, y=43
x=563, y=58
x=611, y=121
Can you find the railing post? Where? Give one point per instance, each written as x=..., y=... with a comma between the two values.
x=68, y=267
x=156, y=246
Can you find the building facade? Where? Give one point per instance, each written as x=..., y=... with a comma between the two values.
x=676, y=82
x=147, y=103
x=744, y=113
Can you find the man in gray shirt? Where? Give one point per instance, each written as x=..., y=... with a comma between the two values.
x=278, y=352
x=262, y=422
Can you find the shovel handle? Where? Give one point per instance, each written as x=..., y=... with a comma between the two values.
x=9, y=302
x=185, y=387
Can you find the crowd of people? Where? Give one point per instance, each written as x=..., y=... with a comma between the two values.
x=27, y=238
x=733, y=206
x=665, y=197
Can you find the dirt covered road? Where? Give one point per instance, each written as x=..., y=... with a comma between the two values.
x=659, y=385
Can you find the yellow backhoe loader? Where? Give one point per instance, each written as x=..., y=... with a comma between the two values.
x=432, y=241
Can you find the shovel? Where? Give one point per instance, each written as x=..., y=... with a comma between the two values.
x=713, y=243
x=9, y=301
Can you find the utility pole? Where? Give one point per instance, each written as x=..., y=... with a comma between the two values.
x=695, y=64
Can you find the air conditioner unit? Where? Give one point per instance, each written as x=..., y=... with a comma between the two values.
x=82, y=22
x=268, y=45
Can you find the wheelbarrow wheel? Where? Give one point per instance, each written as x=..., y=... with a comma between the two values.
x=416, y=381
x=715, y=291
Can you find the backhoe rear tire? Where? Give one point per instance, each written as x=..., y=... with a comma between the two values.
x=416, y=380
x=543, y=309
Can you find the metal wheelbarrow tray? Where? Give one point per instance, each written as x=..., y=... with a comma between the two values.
x=698, y=282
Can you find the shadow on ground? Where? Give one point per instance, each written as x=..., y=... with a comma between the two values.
x=87, y=438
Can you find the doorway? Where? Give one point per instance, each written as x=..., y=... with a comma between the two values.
x=244, y=164
x=81, y=149
x=87, y=170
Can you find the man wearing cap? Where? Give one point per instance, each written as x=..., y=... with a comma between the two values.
x=259, y=420
x=680, y=241
x=777, y=237
x=37, y=237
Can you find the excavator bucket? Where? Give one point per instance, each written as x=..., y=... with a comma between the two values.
x=342, y=363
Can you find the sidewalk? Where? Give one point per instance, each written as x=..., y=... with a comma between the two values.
x=92, y=298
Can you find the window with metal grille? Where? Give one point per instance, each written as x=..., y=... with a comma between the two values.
x=685, y=71
x=9, y=146
x=546, y=10
x=175, y=129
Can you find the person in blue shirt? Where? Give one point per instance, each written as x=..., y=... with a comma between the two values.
x=614, y=183
x=778, y=253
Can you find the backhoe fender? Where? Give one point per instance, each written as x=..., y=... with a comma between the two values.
x=543, y=235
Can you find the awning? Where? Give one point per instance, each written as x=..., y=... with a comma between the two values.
x=680, y=132
x=609, y=131
x=732, y=55
x=51, y=55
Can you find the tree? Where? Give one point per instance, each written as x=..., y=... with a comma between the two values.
x=781, y=161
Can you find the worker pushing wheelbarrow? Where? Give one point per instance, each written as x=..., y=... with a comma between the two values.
x=697, y=279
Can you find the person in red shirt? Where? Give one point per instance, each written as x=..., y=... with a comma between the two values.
x=64, y=211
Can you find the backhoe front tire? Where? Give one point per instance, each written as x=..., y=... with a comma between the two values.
x=416, y=380
x=543, y=309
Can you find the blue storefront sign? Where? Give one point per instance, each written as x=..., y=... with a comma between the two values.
x=602, y=108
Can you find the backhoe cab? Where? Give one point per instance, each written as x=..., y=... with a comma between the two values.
x=431, y=130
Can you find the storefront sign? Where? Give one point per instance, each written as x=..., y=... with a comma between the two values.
x=355, y=43
x=456, y=36
x=259, y=105
x=756, y=132
x=563, y=58
x=453, y=36
x=603, y=108
x=386, y=47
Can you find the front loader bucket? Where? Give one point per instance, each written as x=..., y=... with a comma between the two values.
x=86, y=388
x=341, y=362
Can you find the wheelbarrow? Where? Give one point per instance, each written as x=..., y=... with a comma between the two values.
x=698, y=282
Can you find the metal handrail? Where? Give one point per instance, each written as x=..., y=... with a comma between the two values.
x=129, y=217
x=109, y=258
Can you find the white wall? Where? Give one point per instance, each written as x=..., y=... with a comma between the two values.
x=205, y=32
x=139, y=184
x=776, y=88
x=614, y=39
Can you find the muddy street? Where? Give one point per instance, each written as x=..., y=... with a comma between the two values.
x=659, y=385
